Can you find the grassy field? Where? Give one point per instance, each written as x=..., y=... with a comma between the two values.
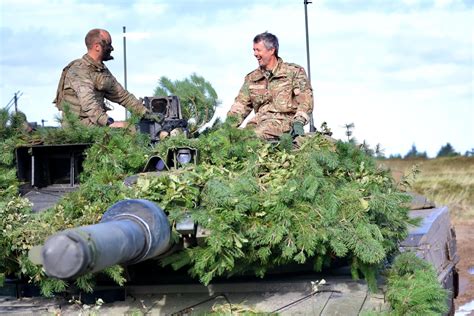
x=450, y=182
x=445, y=181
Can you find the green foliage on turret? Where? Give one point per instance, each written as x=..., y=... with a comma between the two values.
x=266, y=206
x=263, y=204
x=413, y=287
x=114, y=154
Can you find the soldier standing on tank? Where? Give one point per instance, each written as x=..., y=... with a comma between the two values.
x=86, y=82
x=278, y=92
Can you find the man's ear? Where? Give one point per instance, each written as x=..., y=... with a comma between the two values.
x=97, y=47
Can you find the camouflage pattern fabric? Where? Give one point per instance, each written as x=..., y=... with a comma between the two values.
x=278, y=98
x=84, y=86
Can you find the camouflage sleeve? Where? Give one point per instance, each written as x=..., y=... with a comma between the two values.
x=82, y=83
x=303, y=96
x=242, y=105
x=121, y=96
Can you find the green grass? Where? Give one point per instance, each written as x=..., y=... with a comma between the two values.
x=446, y=181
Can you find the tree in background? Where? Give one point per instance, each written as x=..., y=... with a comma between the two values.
x=379, y=151
x=447, y=151
x=395, y=156
x=366, y=147
x=349, y=127
x=413, y=153
x=197, y=97
x=469, y=153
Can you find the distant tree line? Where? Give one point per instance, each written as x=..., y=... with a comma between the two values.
x=378, y=152
x=445, y=151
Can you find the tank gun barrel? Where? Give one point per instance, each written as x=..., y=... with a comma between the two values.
x=130, y=231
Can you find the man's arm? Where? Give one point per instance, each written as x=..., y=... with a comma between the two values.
x=242, y=105
x=303, y=97
x=121, y=96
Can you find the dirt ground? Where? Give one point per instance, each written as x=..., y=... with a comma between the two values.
x=465, y=243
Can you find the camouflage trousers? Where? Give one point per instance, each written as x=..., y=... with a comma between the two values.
x=271, y=125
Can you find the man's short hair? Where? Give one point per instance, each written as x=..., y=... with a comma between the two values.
x=92, y=37
x=269, y=40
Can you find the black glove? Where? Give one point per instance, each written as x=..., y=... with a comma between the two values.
x=297, y=129
x=110, y=121
x=155, y=117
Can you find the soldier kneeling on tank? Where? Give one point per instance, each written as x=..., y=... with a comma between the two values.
x=278, y=92
x=86, y=82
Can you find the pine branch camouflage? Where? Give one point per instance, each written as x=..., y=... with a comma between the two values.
x=413, y=287
x=264, y=205
x=267, y=207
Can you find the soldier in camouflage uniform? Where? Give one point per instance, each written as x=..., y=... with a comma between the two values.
x=86, y=82
x=278, y=92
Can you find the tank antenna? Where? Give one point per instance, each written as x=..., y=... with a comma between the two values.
x=311, y=122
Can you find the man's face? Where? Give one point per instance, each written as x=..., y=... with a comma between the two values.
x=106, y=47
x=264, y=56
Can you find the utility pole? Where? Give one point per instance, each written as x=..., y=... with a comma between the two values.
x=311, y=122
x=125, y=63
x=14, y=101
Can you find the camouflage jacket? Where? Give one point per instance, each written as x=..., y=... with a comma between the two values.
x=278, y=99
x=84, y=86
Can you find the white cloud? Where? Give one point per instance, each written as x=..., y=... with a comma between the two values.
x=443, y=3
x=138, y=36
x=149, y=9
x=395, y=69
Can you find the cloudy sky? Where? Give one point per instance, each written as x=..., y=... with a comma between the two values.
x=401, y=71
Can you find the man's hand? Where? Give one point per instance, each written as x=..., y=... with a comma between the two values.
x=155, y=117
x=297, y=129
x=110, y=121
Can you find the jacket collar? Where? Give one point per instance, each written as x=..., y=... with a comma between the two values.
x=259, y=73
x=93, y=63
x=277, y=70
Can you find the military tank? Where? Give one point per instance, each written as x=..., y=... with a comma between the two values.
x=133, y=231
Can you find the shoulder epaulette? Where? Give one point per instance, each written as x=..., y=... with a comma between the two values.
x=293, y=65
x=254, y=75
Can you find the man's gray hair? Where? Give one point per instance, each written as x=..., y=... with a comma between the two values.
x=269, y=40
